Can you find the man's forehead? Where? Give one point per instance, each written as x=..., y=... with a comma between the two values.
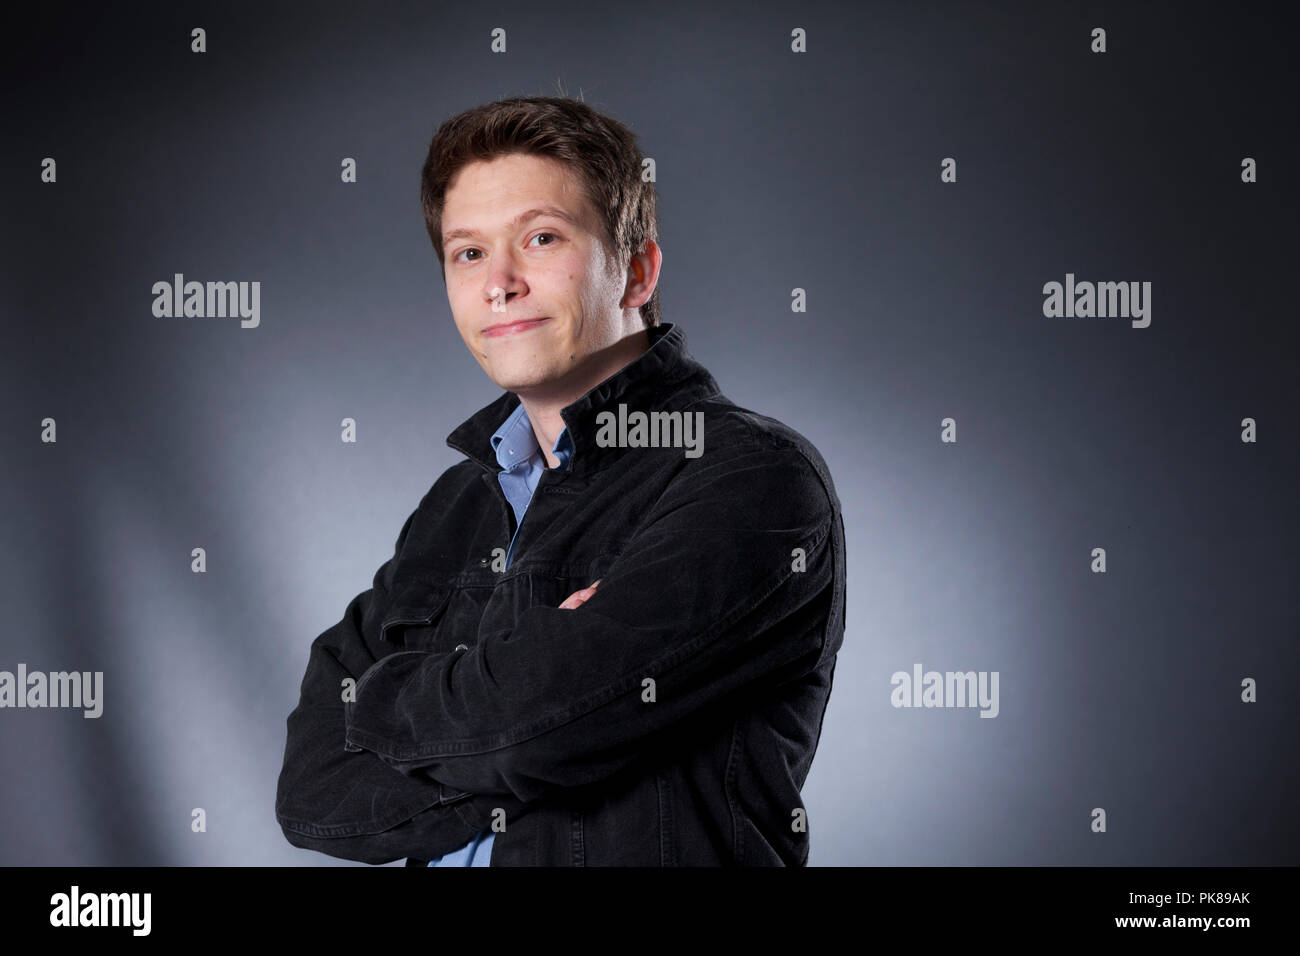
x=515, y=172
x=524, y=197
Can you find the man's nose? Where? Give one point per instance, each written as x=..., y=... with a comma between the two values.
x=504, y=281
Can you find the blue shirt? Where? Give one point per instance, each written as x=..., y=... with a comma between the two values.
x=522, y=464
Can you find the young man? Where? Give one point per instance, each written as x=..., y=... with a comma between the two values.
x=608, y=636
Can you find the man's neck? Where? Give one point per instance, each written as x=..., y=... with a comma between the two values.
x=543, y=407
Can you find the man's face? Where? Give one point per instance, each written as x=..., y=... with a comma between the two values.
x=532, y=298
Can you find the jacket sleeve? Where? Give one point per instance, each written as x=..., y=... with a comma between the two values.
x=709, y=599
x=350, y=804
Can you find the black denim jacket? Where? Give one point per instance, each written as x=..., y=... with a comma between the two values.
x=669, y=720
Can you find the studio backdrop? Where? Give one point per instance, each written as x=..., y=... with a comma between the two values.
x=1022, y=272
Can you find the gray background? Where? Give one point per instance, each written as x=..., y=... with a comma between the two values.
x=775, y=170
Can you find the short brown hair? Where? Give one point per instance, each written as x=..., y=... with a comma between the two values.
x=600, y=150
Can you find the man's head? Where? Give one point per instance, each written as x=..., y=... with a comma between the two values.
x=537, y=211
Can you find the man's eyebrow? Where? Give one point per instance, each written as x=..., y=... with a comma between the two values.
x=465, y=233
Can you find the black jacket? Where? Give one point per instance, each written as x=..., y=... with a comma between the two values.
x=669, y=720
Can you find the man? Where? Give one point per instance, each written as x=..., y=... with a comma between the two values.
x=608, y=636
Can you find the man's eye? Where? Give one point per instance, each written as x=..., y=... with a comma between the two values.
x=551, y=235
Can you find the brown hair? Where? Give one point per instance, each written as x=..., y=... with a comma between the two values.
x=601, y=151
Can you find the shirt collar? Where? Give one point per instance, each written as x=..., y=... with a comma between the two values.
x=515, y=442
x=664, y=377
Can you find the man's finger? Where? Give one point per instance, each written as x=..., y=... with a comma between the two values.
x=574, y=599
x=578, y=597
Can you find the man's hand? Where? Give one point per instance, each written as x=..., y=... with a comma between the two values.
x=578, y=597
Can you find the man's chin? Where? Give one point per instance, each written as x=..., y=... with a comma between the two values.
x=538, y=385
x=519, y=380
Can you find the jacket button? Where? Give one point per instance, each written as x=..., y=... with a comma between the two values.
x=462, y=647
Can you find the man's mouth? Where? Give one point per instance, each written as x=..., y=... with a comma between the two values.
x=515, y=327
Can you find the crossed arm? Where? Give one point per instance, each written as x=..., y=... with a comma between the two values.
x=705, y=603
x=721, y=592
x=353, y=805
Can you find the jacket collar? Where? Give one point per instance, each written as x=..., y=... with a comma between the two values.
x=663, y=378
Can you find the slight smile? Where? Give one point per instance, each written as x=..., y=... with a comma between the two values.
x=511, y=328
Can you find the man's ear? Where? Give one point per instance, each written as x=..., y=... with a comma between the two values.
x=643, y=274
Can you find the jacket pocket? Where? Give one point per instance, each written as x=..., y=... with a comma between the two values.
x=410, y=622
x=448, y=794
